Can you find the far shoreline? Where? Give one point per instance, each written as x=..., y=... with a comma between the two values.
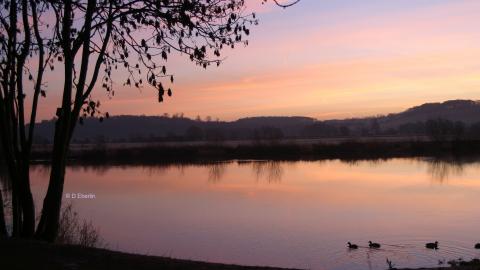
x=281, y=150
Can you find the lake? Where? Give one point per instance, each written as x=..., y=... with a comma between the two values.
x=286, y=214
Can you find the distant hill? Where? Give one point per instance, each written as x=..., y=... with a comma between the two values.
x=467, y=111
x=125, y=128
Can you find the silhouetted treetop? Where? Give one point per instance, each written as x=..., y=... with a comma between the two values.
x=144, y=34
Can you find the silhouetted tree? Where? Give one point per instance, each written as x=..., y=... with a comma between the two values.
x=91, y=39
x=417, y=128
x=214, y=134
x=443, y=129
x=344, y=131
x=459, y=131
x=375, y=126
x=194, y=133
x=320, y=129
x=3, y=190
x=268, y=133
x=474, y=131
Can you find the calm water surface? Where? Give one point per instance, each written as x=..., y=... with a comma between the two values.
x=289, y=214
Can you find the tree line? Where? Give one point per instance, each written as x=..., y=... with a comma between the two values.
x=125, y=129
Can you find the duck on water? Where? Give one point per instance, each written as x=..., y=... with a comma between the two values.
x=352, y=246
x=432, y=245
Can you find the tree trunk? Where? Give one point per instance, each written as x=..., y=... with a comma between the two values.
x=26, y=201
x=23, y=209
x=16, y=207
x=48, y=226
x=3, y=225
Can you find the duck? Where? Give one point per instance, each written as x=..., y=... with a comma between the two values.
x=352, y=246
x=432, y=245
x=373, y=245
x=477, y=246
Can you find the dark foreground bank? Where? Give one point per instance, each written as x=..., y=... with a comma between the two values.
x=32, y=255
x=27, y=255
x=280, y=151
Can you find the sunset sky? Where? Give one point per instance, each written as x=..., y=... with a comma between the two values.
x=325, y=59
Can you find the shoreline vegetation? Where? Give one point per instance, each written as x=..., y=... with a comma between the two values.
x=29, y=254
x=284, y=150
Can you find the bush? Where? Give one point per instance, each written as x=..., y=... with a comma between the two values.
x=73, y=231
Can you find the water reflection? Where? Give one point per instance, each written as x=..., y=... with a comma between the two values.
x=440, y=170
x=272, y=171
x=290, y=214
x=216, y=171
